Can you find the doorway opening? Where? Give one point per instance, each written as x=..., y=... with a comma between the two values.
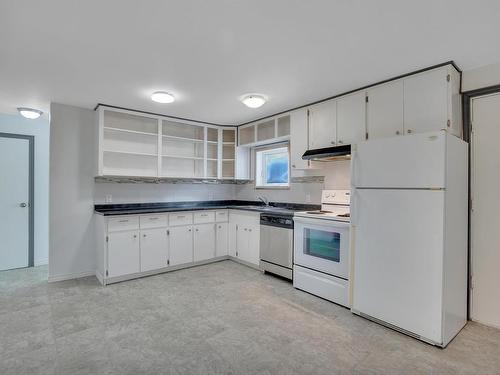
x=16, y=201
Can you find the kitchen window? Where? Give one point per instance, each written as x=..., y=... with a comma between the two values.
x=272, y=167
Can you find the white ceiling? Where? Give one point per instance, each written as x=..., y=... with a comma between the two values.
x=209, y=52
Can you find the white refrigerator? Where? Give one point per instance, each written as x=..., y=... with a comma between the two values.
x=409, y=220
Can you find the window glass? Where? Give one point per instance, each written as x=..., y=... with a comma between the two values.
x=272, y=167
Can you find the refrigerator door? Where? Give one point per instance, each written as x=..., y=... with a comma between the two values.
x=398, y=258
x=410, y=161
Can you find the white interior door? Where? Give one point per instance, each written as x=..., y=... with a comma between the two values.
x=485, y=248
x=14, y=203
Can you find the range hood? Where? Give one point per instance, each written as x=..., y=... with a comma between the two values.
x=328, y=153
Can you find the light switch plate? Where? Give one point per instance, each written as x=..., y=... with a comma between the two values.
x=108, y=198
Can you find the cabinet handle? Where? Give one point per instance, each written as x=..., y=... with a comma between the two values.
x=123, y=221
x=143, y=235
x=181, y=217
x=220, y=226
x=204, y=214
x=332, y=142
x=245, y=229
x=293, y=166
x=153, y=218
x=397, y=132
x=135, y=235
x=409, y=131
x=189, y=230
x=340, y=142
x=197, y=229
x=249, y=230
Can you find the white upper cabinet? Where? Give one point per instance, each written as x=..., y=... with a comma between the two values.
x=323, y=125
x=385, y=110
x=351, y=118
x=426, y=101
x=298, y=139
x=132, y=144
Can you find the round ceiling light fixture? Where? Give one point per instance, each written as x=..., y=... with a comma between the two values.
x=30, y=113
x=253, y=100
x=162, y=97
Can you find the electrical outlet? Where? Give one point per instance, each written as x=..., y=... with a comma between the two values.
x=108, y=198
x=308, y=198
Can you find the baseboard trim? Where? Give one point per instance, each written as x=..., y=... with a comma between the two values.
x=41, y=262
x=70, y=276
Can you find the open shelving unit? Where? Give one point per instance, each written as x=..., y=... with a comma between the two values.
x=137, y=144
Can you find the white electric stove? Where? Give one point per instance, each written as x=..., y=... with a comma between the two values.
x=321, y=248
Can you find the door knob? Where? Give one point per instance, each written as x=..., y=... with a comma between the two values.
x=23, y=205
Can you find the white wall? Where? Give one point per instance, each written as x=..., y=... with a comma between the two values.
x=39, y=128
x=140, y=193
x=72, y=169
x=484, y=76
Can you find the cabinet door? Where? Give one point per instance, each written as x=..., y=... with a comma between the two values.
x=154, y=249
x=249, y=251
x=298, y=139
x=426, y=102
x=222, y=237
x=351, y=119
x=385, y=110
x=123, y=253
x=232, y=238
x=323, y=125
x=242, y=242
x=254, y=244
x=180, y=245
x=204, y=242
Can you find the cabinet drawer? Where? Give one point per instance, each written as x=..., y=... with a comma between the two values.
x=180, y=218
x=153, y=221
x=221, y=216
x=120, y=223
x=202, y=217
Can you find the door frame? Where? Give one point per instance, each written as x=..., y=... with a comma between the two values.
x=467, y=97
x=31, y=194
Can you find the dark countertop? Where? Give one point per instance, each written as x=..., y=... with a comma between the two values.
x=147, y=208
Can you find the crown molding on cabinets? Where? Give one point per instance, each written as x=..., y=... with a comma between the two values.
x=451, y=62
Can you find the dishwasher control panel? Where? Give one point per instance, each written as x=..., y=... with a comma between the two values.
x=276, y=220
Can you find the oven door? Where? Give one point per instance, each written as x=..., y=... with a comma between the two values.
x=322, y=245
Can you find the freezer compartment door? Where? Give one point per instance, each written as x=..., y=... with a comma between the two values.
x=413, y=161
x=398, y=258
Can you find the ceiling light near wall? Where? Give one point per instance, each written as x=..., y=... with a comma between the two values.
x=253, y=100
x=29, y=112
x=162, y=97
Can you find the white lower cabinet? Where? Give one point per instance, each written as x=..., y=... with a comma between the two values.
x=181, y=245
x=154, y=249
x=246, y=236
x=221, y=239
x=204, y=242
x=134, y=245
x=123, y=253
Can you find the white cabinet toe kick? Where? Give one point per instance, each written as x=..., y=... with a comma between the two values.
x=134, y=246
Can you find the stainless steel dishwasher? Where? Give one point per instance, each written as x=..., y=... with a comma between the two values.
x=276, y=244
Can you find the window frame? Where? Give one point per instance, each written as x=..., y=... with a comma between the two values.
x=259, y=178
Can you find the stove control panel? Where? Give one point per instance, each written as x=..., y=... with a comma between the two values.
x=336, y=197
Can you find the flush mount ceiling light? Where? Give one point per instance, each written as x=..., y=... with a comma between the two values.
x=253, y=100
x=29, y=112
x=162, y=97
